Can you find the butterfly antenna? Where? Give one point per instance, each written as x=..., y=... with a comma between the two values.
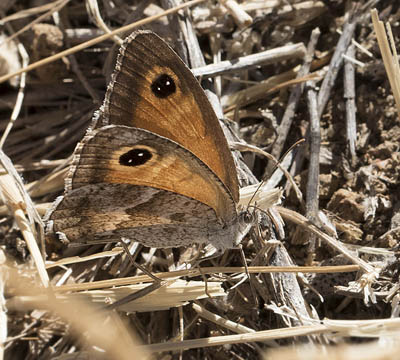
x=273, y=169
x=298, y=142
x=254, y=194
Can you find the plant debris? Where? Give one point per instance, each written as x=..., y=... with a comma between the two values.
x=319, y=271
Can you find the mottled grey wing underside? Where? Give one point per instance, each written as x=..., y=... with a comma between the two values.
x=103, y=213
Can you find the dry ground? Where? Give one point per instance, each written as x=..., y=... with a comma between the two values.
x=354, y=181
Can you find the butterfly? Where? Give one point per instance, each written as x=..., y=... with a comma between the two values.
x=154, y=166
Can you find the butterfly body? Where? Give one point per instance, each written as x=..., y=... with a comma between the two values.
x=155, y=166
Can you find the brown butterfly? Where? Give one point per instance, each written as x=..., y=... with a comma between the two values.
x=155, y=166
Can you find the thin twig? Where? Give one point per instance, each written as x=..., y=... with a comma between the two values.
x=349, y=95
x=335, y=64
x=251, y=61
x=295, y=94
x=312, y=194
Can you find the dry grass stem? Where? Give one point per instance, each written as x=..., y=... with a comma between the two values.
x=307, y=106
x=389, y=57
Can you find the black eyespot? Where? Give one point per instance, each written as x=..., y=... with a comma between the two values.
x=163, y=86
x=135, y=157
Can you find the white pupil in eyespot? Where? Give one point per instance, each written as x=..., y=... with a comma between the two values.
x=167, y=83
